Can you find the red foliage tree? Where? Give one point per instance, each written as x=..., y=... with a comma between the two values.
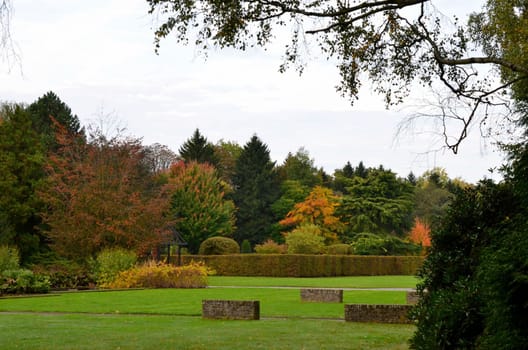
x=98, y=194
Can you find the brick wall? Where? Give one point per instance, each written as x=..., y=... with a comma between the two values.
x=321, y=295
x=377, y=313
x=231, y=309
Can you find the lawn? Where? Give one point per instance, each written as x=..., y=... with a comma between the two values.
x=326, y=282
x=170, y=318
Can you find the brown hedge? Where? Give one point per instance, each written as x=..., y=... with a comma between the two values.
x=297, y=265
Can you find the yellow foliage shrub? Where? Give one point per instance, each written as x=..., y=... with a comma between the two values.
x=159, y=275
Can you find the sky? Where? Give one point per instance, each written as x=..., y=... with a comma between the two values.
x=98, y=57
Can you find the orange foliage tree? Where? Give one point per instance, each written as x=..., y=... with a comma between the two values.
x=318, y=209
x=420, y=233
x=98, y=194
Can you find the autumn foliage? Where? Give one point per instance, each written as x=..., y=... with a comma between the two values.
x=317, y=209
x=158, y=275
x=98, y=195
x=420, y=233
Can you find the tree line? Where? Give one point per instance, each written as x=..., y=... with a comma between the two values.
x=74, y=191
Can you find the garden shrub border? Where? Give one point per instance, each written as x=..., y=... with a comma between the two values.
x=298, y=265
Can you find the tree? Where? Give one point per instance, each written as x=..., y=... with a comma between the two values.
x=432, y=195
x=379, y=203
x=97, y=196
x=395, y=44
x=21, y=171
x=348, y=170
x=300, y=167
x=47, y=111
x=198, y=204
x=291, y=193
x=318, y=209
x=197, y=148
x=226, y=154
x=420, y=233
x=158, y=158
x=255, y=190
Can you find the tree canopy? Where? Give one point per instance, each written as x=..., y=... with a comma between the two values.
x=395, y=44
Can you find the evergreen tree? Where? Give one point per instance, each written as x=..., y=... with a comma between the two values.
x=198, y=149
x=44, y=110
x=348, y=170
x=361, y=171
x=21, y=171
x=411, y=178
x=256, y=189
x=379, y=203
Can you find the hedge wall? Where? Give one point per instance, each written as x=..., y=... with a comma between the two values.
x=296, y=265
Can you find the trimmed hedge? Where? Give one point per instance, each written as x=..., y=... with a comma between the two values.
x=297, y=265
x=219, y=245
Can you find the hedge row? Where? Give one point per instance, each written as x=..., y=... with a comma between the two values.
x=293, y=265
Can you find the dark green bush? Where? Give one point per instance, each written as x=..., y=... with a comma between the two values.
x=371, y=244
x=246, y=247
x=219, y=246
x=23, y=281
x=338, y=249
x=475, y=275
x=65, y=274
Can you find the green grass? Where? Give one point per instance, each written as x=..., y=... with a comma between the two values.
x=170, y=318
x=57, y=332
x=328, y=282
x=188, y=302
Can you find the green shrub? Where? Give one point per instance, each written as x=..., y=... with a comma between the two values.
x=271, y=247
x=9, y=258
x=219, y=246
x=305, y=239
x=159, y=275
x=110, y=262
x=23, y=281
x=338, y=249
x=65, y=274
x=246, y=247
x=371, y=244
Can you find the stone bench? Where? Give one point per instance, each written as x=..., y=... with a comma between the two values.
x=322, y=295
x=231, y=309
x=377, y=313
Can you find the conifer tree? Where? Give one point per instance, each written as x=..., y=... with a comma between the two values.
x=256, y=189
x=48, y=110
x=21, y=162
x=198, y=149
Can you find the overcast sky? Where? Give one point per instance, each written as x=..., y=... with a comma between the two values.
x=98, y=57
